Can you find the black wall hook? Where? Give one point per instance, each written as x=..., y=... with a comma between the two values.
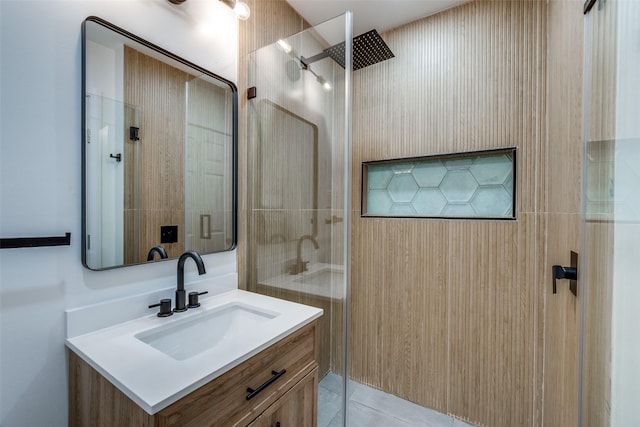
x=118, y=157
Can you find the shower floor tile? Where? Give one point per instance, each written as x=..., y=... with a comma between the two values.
x=370, y=407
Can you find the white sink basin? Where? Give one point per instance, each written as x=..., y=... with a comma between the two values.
x=184, y=339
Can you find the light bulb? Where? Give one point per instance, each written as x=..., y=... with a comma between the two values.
x=242, y=10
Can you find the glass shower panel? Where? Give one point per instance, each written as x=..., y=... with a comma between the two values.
x=610, y=379
x=296, y=180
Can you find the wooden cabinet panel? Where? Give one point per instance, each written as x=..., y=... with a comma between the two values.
x=297, y=408
x=95, y=402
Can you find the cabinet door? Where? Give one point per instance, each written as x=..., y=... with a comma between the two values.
x=297, y=408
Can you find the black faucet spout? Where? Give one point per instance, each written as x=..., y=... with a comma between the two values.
x=159, y=250
x=181, y=303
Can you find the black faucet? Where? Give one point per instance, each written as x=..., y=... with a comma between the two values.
x=159, y=250
x=181, y=303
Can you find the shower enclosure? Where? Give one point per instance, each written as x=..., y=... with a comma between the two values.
x=610, y=378
x=298, y=169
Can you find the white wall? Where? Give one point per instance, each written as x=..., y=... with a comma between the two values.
x=625, y=347
x=40, y=181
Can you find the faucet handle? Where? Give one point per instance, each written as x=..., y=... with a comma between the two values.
x=193, y=298
x=165, y=307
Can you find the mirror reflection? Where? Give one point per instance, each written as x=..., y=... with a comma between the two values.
x=287, y=147
x=159, y=152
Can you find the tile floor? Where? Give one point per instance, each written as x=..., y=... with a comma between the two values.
x=372, y=408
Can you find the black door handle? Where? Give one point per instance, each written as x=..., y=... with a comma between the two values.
x=560, y=272
x=569, y=273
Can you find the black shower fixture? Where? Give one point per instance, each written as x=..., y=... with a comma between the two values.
x=368, y=49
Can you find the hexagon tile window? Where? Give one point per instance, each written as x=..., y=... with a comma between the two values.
x=475, y=185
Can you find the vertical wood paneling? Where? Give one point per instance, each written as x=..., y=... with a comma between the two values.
x=494, y=321
x=397, y=307
x=459, y=320
x=450, y=314
x=468, y=79
x=565, y=63
x=563, y=198
x=158, y=90
x=270, y=21
x=562, y=316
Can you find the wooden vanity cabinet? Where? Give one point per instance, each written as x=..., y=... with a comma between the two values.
x=297, y=408
x=290, y=399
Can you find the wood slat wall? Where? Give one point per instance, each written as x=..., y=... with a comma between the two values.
x=563, y=198
x=448, y=314
x=159, y=91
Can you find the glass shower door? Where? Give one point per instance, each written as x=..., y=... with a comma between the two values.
x=610, y=379
x=298, y=169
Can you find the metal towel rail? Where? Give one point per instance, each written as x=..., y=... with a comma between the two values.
x=33, y=242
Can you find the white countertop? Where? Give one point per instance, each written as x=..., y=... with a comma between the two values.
x=155, y=380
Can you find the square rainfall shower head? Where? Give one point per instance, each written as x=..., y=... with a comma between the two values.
x=368, y=49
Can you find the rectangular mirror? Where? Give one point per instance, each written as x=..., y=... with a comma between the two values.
x=159, y=152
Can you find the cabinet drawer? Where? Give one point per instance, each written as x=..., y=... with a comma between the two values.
x=223, y=401
x=297, y=408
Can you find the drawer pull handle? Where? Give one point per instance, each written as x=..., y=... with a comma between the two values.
x=267, y=383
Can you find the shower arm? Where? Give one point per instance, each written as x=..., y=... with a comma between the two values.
x=308, y=61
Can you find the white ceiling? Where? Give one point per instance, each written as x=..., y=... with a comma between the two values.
x=381, y=15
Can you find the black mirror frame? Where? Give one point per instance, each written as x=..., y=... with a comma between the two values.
x=234, y=100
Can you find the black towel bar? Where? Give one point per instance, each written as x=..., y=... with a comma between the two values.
x=33, y=242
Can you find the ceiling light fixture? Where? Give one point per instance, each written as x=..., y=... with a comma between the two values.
x=240, y=8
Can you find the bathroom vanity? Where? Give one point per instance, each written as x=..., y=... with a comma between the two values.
x=257, y=372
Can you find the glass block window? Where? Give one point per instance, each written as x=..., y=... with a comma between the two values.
x=467, y=185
